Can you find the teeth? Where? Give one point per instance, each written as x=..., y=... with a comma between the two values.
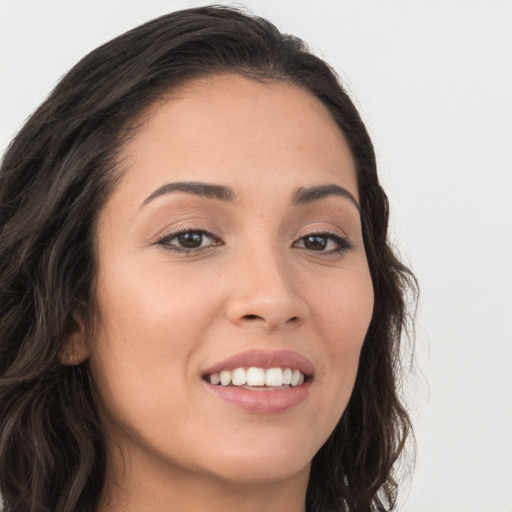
x=295, y=378
x=225, y=378
x=258, y=377
x=255, y=377
x=274, y=377
x=239, y=377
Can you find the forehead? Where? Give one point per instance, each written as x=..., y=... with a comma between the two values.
x=232, y=129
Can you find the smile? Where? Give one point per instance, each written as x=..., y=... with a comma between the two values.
x=261, y=381
x=258, y=379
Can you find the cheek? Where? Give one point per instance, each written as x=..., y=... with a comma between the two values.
x=341, y=312
x=155, y=308
x=343, y=316
x=150, y=328
x=345, y=308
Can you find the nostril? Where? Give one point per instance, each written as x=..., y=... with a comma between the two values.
x=252, y=317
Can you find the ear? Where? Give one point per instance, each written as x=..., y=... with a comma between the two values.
x=75, y=349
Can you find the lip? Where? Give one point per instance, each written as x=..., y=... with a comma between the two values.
x=263, y=401
x=264, y=359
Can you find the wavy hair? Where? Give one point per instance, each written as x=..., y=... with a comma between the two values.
x=55, y=177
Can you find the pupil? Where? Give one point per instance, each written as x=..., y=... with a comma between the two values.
x=315, y=242
x=190, y=240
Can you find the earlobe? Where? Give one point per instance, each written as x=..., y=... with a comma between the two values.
x=75, y=350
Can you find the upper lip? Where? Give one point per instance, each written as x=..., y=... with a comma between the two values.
x=264, y=359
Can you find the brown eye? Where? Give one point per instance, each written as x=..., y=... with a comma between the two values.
x=315, y=242
x=190, y=239
x=324, y=242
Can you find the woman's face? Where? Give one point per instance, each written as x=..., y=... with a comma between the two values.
x=232, y=242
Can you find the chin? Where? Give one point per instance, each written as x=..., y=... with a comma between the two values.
x=262, y=462
x=258, y=471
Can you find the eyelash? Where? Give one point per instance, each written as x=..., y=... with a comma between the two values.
x=343, y=244
x=166, y=239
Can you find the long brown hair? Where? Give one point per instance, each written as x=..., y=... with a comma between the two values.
x=55, y=177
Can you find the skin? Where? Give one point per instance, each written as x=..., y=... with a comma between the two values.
x=166, y=316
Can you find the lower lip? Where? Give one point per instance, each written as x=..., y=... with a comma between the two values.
x=264, y=401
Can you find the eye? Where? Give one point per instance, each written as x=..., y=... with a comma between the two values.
x=188, y=240
x=324, y=242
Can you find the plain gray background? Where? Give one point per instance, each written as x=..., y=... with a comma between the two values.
x=433, y=81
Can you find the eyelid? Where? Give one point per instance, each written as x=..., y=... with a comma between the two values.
x=164, y=240
x=343, y=242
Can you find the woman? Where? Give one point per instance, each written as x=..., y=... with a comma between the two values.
x=199, y=305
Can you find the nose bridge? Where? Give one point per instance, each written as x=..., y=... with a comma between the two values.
x=264, y=291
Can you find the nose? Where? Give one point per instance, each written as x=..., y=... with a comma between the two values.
x=265, y=294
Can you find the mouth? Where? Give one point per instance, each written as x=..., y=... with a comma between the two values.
x=257, y=379
x=261, y=381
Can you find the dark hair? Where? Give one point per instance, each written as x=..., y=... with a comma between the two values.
x=55, y=177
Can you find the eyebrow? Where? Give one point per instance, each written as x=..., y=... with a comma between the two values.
x=310, y=194
x=303, y=195
x=197, y=188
